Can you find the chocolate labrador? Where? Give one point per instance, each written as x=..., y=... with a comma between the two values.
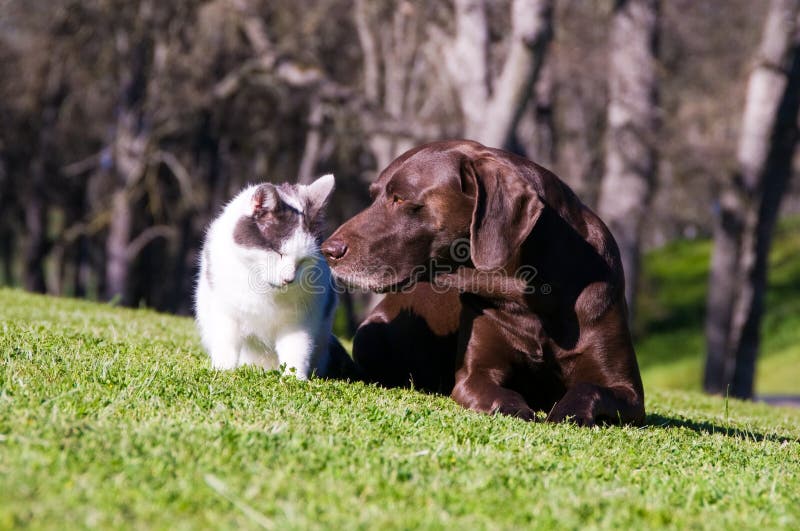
x=504, y=290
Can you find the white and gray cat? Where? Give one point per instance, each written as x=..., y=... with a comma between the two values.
x=265, y=295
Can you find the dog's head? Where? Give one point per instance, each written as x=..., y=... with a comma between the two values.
x=435, y=207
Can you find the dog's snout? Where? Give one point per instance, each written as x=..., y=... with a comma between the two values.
x=334, y=249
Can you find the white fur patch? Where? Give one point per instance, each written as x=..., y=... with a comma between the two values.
x=262, y=307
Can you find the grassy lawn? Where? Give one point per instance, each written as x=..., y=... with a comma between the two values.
x=670, y=342
x=112, y=418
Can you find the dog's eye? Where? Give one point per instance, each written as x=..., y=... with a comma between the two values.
x=397, y=200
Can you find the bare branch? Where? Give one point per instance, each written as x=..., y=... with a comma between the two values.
x=82, y=166
x=146, y=236
x=181, y=175
x=311, y=151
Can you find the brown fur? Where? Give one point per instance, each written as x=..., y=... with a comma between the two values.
x=555, y=339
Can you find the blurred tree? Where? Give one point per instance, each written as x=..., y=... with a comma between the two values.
x=536, y=132
x=579, y=101
x=493, y=104
x=405, y=104
x=630, y=171
x=749, y=205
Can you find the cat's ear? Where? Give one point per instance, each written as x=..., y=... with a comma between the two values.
x=265, y=197
x=318, y=193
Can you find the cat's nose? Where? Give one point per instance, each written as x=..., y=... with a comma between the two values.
x=334, y=249
x=288, y=275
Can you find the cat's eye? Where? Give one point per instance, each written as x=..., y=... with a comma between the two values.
x=397, y=200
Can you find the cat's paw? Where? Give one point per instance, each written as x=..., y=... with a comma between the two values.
x=224, y=363
x=298, y=372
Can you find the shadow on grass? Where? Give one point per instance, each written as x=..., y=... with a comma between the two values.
x=703, y=427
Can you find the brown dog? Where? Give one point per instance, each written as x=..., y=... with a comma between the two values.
x=505, y=290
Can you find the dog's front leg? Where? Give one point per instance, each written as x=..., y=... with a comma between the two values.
x=603, y=383
x=487, y=363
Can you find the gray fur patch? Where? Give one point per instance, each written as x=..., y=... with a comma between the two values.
x=270, y=223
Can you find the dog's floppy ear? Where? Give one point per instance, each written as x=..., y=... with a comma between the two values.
x=506, y=209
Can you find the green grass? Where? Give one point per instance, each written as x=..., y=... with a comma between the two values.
x=670, y=344
x=112, y=418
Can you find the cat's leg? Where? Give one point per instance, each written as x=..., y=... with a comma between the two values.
x=255, y=352
x=221, y=337
x=295, y=350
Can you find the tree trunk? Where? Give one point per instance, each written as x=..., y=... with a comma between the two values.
x=129, y=149
x=7, y=232
x=36, y=207
x=532, y=31
x=493, y=110
x=7, y=245
x=579, y=148
x=750, y=205
x=119, y=235
x=35, y=243
x=467, y=63
x=632, y=126
x=722, y=288
x=80, y=268
x=536, y=131
x=313, y=145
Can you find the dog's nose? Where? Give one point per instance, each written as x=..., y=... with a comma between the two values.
x=334, y=249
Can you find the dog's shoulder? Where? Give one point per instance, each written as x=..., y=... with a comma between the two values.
x=558, y=196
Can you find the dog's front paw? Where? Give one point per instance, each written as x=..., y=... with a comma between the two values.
x=579, y=406
x=583, y=420
x=514, y=408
